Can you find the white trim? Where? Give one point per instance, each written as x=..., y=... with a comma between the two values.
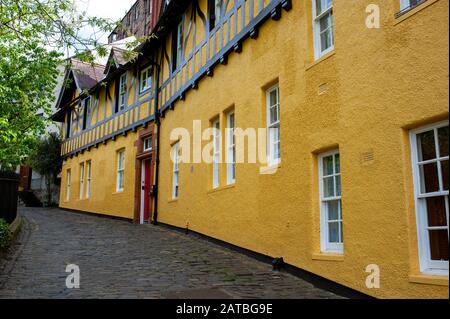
x=144, y=148
x=122, y=92
x=81, y=180
x=433, y=267
x=271, y=160
x=69, y=176
x=88, y=179
x=325, y=245
x=231, y=149
x=318, y=52
x=148, y=80
x=175, y=170
x=216, y=153
x=120, y=170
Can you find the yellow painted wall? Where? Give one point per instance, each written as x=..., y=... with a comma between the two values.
x=380, y=83
x=104, y=199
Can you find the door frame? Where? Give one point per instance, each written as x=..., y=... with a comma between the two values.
x=143, y=195
x=141, y=158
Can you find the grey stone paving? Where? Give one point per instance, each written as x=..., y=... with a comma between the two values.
x=118, y=259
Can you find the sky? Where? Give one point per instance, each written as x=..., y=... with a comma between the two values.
x=111, y=9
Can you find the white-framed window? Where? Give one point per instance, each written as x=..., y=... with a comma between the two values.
x=145, y=82
x=273, y=125
x=231, y=149
x=176, y=169
x=120, y=171
x=408, y=4
x=216, y=153
x=81, y=180
x=69, y=175
x=430, y=158
x=86, y=112
x=122, y=91
x=331, y=230
x=217, y=11
x=323, y=26
x=148, y=144
x=180, y=54
x=88, y=179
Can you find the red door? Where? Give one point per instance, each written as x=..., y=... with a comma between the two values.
x=147, y=187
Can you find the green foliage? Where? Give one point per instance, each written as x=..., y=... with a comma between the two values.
x=5, y=234
x=47, y=161
x=33, y=34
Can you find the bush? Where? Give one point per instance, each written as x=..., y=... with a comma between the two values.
x=5, y=234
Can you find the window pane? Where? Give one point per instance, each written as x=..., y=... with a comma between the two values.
x=438, y=244
x=328, y=165
x=426, y=146
x=338, y=185
x=333, y=210
x=444, y=170
x=273, y=114
x=277, y=150
x=333, y=232
x=322, y=5
x=337, y=163
x=328, y=187
x=429, y=178
x=436, y=211
x=443, y=141
x=273, y=98
x=326, y=39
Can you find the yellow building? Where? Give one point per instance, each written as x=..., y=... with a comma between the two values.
x=353, y=98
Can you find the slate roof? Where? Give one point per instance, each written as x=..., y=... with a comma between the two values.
x=87, y=75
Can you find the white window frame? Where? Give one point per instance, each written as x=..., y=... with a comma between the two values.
x=88, y=179
x=69, y=175
x=120, y=171
x=217, y=11
x=231, y=149
x=81, y=180
x=325, y=245
x=146, y=78
x=271, y=126
x=427, y=265
x=180, y=55
x=175, y=170
x=145, y=145
x=318, y=52
x=405, y=4
x=122, y=92
x=216, y=153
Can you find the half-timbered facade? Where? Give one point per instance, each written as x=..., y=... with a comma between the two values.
x=353, y=186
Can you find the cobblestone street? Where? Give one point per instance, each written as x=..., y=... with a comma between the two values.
x=118, y=259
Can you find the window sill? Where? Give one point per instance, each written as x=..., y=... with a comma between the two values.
x=321, y=59
x=271, y=169
x=174, y=200
x=146, y=91
x=413, y=11
x=220, y=188
x=437, y=280
x=117, y=192
x=328, y=257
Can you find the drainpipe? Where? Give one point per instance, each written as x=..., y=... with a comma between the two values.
x=158, y=125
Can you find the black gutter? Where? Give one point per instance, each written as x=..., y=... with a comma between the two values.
x=158, y=133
